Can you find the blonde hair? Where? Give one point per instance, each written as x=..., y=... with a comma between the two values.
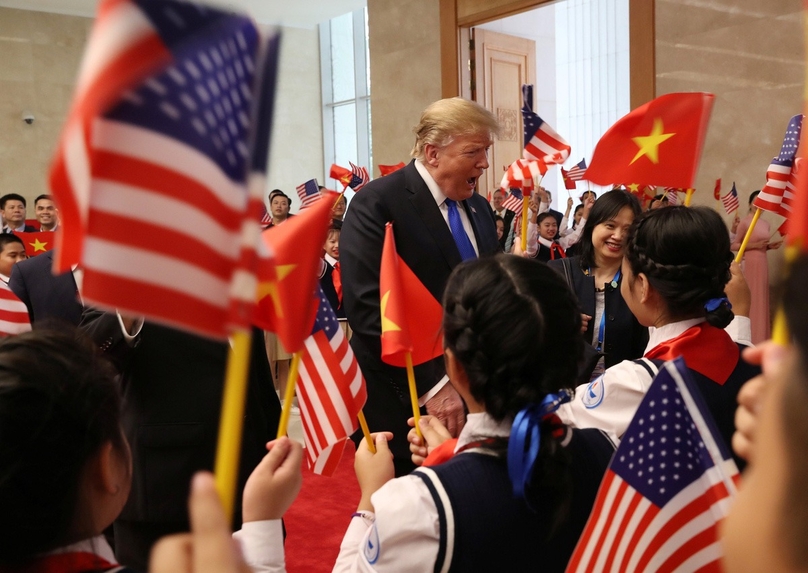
x=448, y=118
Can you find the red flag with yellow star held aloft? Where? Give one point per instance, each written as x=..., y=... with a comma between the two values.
x=658, y=143
x=286, y=301
x=411, y=317
x=37, y=243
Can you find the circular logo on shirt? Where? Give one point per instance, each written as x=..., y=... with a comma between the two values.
x=372, y=547
x=593, y=395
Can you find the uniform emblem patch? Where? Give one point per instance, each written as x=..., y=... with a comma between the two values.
x=593, y=395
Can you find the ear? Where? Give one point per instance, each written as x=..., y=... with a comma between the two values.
x=646, y=290
x=454, y=370
x=431, y=155
x=107, y=469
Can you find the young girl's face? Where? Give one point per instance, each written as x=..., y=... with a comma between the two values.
x=332, y=245
x=500, y=229
x=548, y=228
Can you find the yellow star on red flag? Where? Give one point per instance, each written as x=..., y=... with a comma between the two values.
x=649, y=144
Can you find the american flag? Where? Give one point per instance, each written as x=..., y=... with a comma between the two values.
x=730, y=200
x=331, y=391
x=778, y=193
x=522, y=174
x=266, y=218
x=577, y=171
x=669, y=485
x=309, y=192
x=542, y=143
x=14, y=317
x=158, y=186
x=513, y=201
x=359, y=177
x=672, y=194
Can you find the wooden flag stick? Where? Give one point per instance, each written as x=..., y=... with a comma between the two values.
x=525, y=200
x=289, y=395
x=231, y=421
x=416, y=410
x=664, y=195
x=739, y=256
x=366, y=431
x=339, y=198
x=688, y=196
x=780, y=333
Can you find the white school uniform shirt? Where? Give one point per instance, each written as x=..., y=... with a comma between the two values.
x=404, y=534
x=610, y=401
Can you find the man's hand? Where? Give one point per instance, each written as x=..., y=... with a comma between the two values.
x=275, y=482
x=447, y=406
x=434, y=434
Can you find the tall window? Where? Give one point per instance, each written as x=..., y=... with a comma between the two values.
x=345, y=70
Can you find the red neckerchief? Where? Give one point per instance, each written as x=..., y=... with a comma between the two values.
x=706, y=349
x=556, y=248
x=79, y=562
x=336, y=278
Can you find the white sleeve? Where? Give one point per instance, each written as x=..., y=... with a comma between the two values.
x=610, y=401
x=262, y=545
x=573, y=236
x=532, y=239
x=740, y=330
x=405, y=536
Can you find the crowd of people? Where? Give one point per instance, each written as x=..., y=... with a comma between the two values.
x=100, y=438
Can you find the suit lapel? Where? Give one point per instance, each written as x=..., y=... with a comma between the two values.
x=429, y=212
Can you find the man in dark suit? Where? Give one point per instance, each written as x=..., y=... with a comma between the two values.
x=438, y=221
x=12, y=207
x=48, y=297
x=507, y=216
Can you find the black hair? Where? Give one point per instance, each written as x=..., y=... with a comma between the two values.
x=43, y=196
x=278, y=193
x=543, y=216
x=605, y=208
x=753, y=195
x=12, y=197
x=515, y=327
x=684, y=252
x=59, y=403
x=6, y=238
x=498, y=218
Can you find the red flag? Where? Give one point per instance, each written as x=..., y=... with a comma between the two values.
x=37, y=243
x=717, y=190
x=14, y=317
x=411, y=317
x=568, y=183
x=658, y=143
x=521, y=174
x=388, y=169
x=286, y=291
x=341, y=174
x=170, y=229
x=643, y=192
x=331, y=391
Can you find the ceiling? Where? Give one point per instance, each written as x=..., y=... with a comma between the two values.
x=295, y=13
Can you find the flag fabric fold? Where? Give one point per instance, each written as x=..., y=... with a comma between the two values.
x=568, y=182
x=14, y=317
x=669, y=485
x=286, y=302
x=541, y=142
x=730, y=200
x=522, y=174
x=359, y=177
x=513, y=202
x=411, y=317
x=309, y=193
x=777, y=195
x=388, y=169
x=659, y=143
x=331, y=390
x=158, y=174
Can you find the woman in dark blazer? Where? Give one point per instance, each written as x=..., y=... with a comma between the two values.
x=608, y=325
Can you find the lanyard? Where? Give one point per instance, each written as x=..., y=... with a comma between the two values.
x=602, y=327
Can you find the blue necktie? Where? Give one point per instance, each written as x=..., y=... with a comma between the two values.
x=459, y=233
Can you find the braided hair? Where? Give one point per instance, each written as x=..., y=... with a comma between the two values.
x=685, y=254
x=514, y=326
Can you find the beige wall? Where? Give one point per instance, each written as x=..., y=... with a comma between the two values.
x=39, y=57
x=404, y=73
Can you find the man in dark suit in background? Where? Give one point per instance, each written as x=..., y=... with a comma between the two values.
x=507, y=216
x=49, y=298
x=438, y=221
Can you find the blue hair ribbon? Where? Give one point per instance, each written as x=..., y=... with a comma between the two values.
x=713, y=304
x=523, y=445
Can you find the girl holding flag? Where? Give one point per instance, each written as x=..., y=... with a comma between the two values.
x=517, y=492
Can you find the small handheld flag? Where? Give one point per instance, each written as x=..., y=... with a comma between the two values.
x=730, y=200
x=309, y=192
x=781, y=176
x=388, y=169
x=37, y=243
x=542, y=143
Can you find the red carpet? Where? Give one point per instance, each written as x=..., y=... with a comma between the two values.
x=319, y=517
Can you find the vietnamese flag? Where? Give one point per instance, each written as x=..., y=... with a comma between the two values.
x=286, y=300
x=388, y=169
x=568, y=183
x=341, y=174
x=717, y=190
x=658, y=143
x=37, y=243
x=411, y=317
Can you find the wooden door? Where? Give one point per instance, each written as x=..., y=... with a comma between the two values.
x=502, y=64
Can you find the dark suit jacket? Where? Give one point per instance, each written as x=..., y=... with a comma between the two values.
x=423, y=241
x=508, y=220
x=48, y=297
x=172, y=384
